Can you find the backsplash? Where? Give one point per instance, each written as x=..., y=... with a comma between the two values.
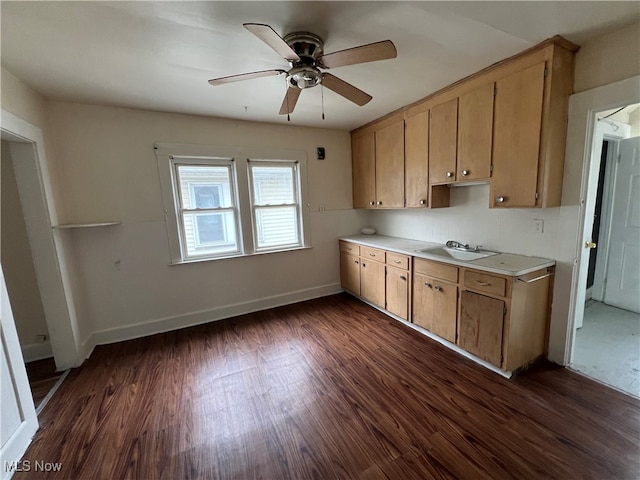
x=469, y=220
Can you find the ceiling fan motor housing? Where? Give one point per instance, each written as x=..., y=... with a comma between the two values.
x=305, y=73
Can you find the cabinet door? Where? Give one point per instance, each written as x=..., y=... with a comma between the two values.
x=390, y=166
x=516, y=138
x=416, y=160
x=397, y=289
x=481, y=326
x=435, y=306
x=350, y=272
x=475, y=133
x=372, y=282
x=443, y=139
x=364, y=170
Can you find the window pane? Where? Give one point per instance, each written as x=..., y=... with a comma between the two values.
x=209, y=233
x=203, y=186
x=273, y=185
x=277, y=226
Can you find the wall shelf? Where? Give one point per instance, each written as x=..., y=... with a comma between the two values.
x=86, y=225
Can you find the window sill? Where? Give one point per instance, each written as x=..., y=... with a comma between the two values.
x=239, y=255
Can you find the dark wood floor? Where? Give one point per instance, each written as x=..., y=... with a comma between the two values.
x=329, y=388
x=42, y=378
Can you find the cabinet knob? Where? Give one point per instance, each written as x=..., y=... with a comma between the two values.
x=397, y=261
x=500, y=199
x=379, y=202
x=356, y=262
x=465, y=173
x=372, y=203
x=402, y=277
x=437, y=288
x=427, y=284
x=423, y=202
x=449, y=174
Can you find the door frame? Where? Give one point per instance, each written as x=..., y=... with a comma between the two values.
x=34, y=187
x=583, y=109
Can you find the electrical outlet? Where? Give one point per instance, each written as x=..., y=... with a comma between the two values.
x=42, y=338
x=321, y=208
x=538, y=225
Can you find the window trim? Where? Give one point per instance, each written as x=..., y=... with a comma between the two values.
x=166, y=152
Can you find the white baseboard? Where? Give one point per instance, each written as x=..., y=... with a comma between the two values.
x=162, y=325
x=36, y=351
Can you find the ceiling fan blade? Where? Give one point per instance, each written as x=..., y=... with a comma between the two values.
x=345, y=89
x=269, y=36
x=290, y=100
x=362, y=54
x=245, y=76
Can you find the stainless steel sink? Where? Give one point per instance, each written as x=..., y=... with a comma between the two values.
x=456, y=253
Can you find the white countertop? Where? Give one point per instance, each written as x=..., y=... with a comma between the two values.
x=502, y=263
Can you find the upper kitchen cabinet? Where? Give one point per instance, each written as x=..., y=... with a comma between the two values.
x=378, y=165
x=518, y=121
x=460, y=137
x=416, y=160
x=475, y=134
x=363, y=153
x=443, y=128
x=390, y=165
x=506, y=124
x=530, y=129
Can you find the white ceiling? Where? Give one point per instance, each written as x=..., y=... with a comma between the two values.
x=159, y=55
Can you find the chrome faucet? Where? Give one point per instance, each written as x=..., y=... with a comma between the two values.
x=461, y=246
x=454, y=244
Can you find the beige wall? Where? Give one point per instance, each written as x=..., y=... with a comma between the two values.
x=608, y=58
x=108, y=170
x=16, y=259
x=24, y=102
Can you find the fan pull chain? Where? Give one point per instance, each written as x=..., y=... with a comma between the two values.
x=286, y=95
x=322, y=101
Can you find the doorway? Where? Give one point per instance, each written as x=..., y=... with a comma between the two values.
x=606, y=343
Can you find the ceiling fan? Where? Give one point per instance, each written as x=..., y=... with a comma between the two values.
x=305, y=54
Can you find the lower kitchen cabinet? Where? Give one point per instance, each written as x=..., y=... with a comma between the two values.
x=499, y=318
x=503, y=319
x=372, y=281
x=481, y=326
x=350, y=272
x=434, y=306
x=379, y=277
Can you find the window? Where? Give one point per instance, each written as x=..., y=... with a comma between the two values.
x=275, y=204
x=206, y=209
x=223, y=202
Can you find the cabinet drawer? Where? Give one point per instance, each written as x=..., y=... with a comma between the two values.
x=372, y=253
x=484, y=282
x=398, y=260
x=348, y=247
x=435, y=269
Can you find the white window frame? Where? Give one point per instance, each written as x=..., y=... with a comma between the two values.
x=228, y=163
x=297, y=203
x=169, y=153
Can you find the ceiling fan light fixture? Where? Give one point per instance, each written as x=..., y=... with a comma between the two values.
x=304, y=77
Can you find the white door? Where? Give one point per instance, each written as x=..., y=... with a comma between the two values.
x=623, y=272
x=18, y=419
